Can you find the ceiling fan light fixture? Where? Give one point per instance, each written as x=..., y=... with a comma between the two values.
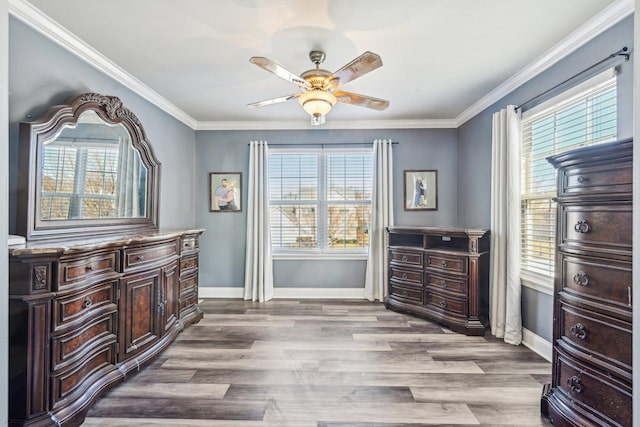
x=317, y=102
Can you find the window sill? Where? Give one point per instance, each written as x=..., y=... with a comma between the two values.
x=358, y=256
x=537, y=282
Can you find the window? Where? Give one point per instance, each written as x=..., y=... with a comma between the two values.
x=320, y=200
x=585, y=115
x=84, y=170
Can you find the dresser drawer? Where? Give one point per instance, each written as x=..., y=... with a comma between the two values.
x=406, y=292
x=80, y=306
x=604, y=178
x=450, y=284
x=445, y=303
x=68, y=349
x=188, y=263
x=405, y=257
x=140, y=257
x=409, y=276
x=448, y=263
x=591, y=278
x=594, y=391
x=72, y=271
x=188, y=301
x=83, y=375
x=597, y=335
x=189, y=243
x=188, y=284
x=599, y=227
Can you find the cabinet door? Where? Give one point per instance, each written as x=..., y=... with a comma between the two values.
x=169, y=305
x=139, y=321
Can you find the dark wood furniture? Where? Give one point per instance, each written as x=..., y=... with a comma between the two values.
x=84, y=314
x=97, y=291
x=441, y=274
x=86, y=168
x=592, y=365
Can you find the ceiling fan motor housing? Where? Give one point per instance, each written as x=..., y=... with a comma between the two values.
x=318, y=79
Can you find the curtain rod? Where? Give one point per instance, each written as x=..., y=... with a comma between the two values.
x=621, y=52
x=327, y=144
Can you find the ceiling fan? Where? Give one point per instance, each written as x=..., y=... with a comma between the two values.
x=319, y=87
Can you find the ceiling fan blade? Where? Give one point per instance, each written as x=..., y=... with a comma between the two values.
x=361, y=100
x=360, y=66
x=279, y=71
x=273, y=101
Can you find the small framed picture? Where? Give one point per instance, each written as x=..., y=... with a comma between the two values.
x=225, y=191
x=420, y=190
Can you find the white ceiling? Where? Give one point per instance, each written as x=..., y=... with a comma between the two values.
x=440, y=56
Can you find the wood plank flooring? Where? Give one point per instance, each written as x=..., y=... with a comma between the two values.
x=327, y=363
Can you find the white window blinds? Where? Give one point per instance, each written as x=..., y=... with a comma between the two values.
x=584, y=115
x=320, y=201
x=79, y=181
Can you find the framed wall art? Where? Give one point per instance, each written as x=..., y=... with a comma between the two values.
x=225, y=191
x=420, y=190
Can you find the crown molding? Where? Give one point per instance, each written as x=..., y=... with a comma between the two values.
x=32, y=16
x=342, y=125
x=610, y=16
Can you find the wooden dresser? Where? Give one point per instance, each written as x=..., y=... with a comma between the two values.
x=441, y=274
x=592, y=374
x=85, y=313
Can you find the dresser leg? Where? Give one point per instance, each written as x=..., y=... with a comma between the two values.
x=544, y=399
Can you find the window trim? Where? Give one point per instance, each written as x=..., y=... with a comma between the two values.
x=326, y=254
x=545, y=283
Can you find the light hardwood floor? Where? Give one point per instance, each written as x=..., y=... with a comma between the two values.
x=327, y=363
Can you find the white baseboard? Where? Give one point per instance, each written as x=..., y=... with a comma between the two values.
x=309, y=293
x=537, y=344
x=215, y=292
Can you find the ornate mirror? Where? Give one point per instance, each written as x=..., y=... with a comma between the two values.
x=86, y=168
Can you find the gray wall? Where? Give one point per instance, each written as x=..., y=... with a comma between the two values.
x=223, y=245
x=42, y=74
x=474, y=146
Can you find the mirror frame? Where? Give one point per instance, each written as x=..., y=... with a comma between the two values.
x=34, y=134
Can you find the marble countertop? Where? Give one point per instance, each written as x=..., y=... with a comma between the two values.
x=69, y=245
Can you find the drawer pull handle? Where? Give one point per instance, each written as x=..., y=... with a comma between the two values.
x=89, y=267
x=582, y=179
x=444, y=284
x=581, y=278
x=575, y=384
x=404, y=275
x=579, y=331
x=87, y=302
x=582, y=226
x=140, y=258
x=444, y=263
x=405, y=293
x=443, y=304
x=404, y=257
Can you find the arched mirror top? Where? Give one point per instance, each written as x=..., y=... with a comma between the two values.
x=86, y=169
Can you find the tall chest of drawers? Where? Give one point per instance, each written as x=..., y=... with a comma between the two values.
x=592, y=341
x=441, y=274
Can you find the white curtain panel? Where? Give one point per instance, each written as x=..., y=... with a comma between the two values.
x=258, y=273
x=381, y=217
x=505, y=292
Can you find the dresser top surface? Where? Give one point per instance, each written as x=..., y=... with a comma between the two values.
x=438, y=231
x=69, y=246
